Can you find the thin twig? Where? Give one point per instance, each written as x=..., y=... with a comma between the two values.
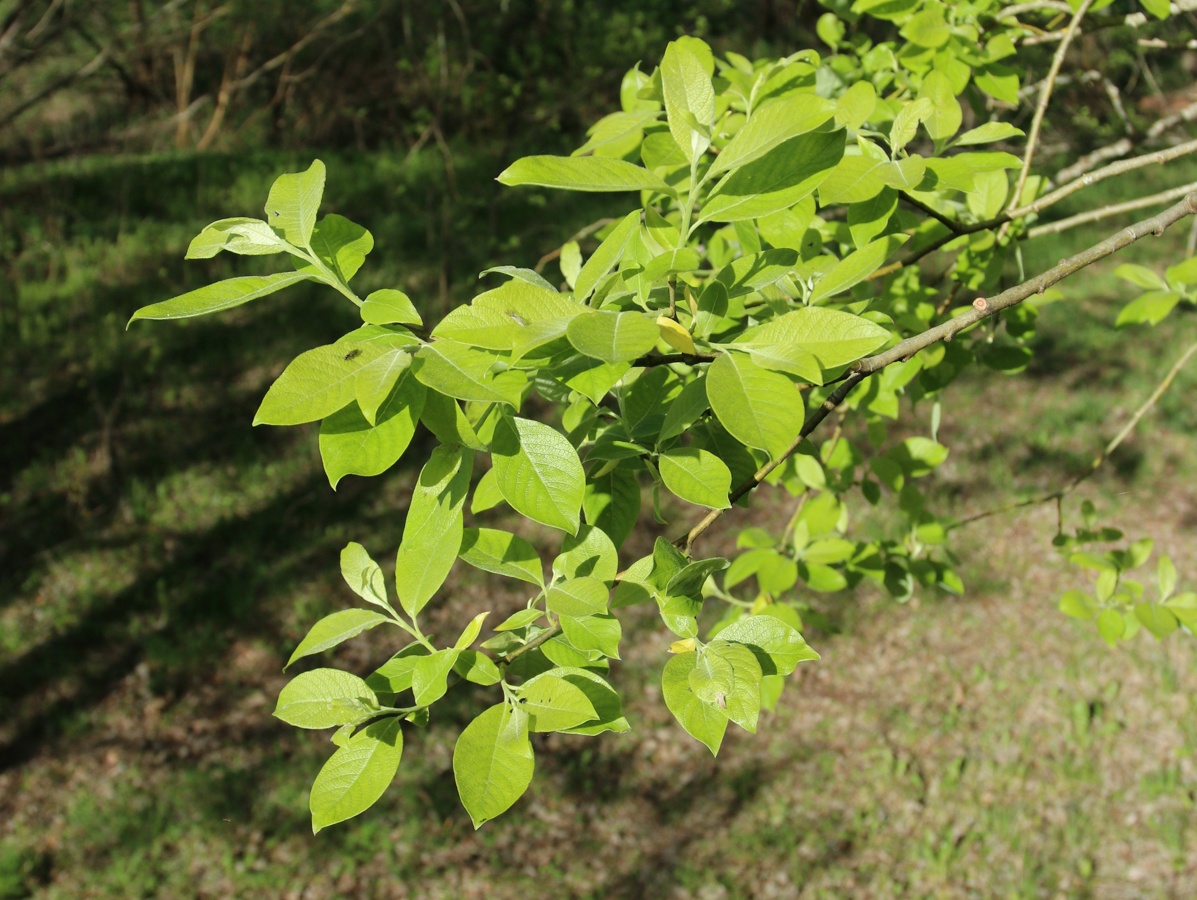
x=1060, y=493
x=1045, y=96
x=1105, y=212
x=577, y=236
x=1124, y=146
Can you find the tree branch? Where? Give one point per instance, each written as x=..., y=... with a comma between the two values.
x=1105, y=212
x=981, y=309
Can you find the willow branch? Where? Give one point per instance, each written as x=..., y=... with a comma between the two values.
x=1124, y=145
x=982, y=308
x=1106, y=211
x=1127, y=165
x=1045, y=97
x=1060, y=493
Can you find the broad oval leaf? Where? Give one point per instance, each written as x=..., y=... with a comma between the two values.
x=555, y=704
x=388, y=307
x=759, y=408
x=457, y=370
x=771, y=124
x=613, y=336
x=351, y=445
x=502, y=553
x=493, y=762
x=778, y=646
x=219, y=296
x=357, y=774
x=342, y=245
x=689, y=96
x=315, y=384
x=705, y=722
x=324, y=698
x=334, y=629
x=831, y=338
x=538, y=472
x=585, y=596
x=856, y=267
x=697, y=476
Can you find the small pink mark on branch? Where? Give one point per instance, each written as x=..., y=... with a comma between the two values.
x=981, y=305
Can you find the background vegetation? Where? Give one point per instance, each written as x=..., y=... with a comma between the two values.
x=152, y=579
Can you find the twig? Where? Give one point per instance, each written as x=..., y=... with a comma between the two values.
x=1060, y=493
x=577, y=236
x=1118, y=168
x=951, y=224
x=1124, y=146
x=981, y=309
x=1045, y=96
x=1106, y=211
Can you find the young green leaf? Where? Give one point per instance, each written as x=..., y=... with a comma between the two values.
x=613, y=336
x=293, y=201
x=988, y=133
x=832, y=338
x=324, y=698
x=458, y=370
x=374, y=381
x=697, y=476
x=240, y=235
x=946, y=116
x=606, y=256
x=387, y=307
x=357, y=774
x=493, y=762
x=334, y=629
x=341, y=245
x=430, y=676
x=395, y=675
x=477, y=668
x=583, y=596
x=555, y=704
x=351, y=445
x=856, y=267
x=219, y=296
x=363, y=575
x=771, y=124
x=583, y=173
x=705, y=722
x=778, y=646
x=689, y=97
x=538, y=472
x=502, y=553
x=433, y=530
x=758, y=407
x=315, y=384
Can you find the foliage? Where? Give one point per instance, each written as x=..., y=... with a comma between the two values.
x=771, y=266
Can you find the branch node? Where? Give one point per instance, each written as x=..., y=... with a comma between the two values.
x=981, y=305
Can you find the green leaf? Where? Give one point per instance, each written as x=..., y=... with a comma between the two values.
x=944, y=121
x=586, y=633
x=315, y=384
x=906, y=123
x=988, y=133
x=999, y=81
x=853, y=180
x=433, y=529
x=350, y=445
x=375, y=381
x=538, y=472
x=363, y=575
x=430, y=676
x=830, y=337
x=613, y=336
x=590, y=553
x=240, y=235
x=334, y=629
x=687, y=409
x=517, y=620
x=502, y=553
x=387, y=307
x=555, y=704
x=500, y=319
x=777, y=180
x=1141, y=276
x=605, y=700
x=612, y=503
x=758, y=408
x=1157, y=619
x=585, y=596
x=605, y=257
x=778, y=646
x=855, y=105
x=742, y=700
x=477, y=668
x=395, y=674
x=443, y=417
x=324, y=698
x=493, y=762
x=583, y=173
x=341, y=245
x=470, y=633
x=1181, y=273
x=869, y=218
x=1111, y=626
x=219, y=296
x=357, y=774
x=927, y=28
x=1078, y=605
x=856, y=267
x=1150, y=308
x=771, y=124
x=689, y=97
x=458, y=370
x=1166, y=575
x=293, y=202
x=1161, y=9
x=706, y=722
x=697, y=476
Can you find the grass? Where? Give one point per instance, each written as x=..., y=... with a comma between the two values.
x=159, y=559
